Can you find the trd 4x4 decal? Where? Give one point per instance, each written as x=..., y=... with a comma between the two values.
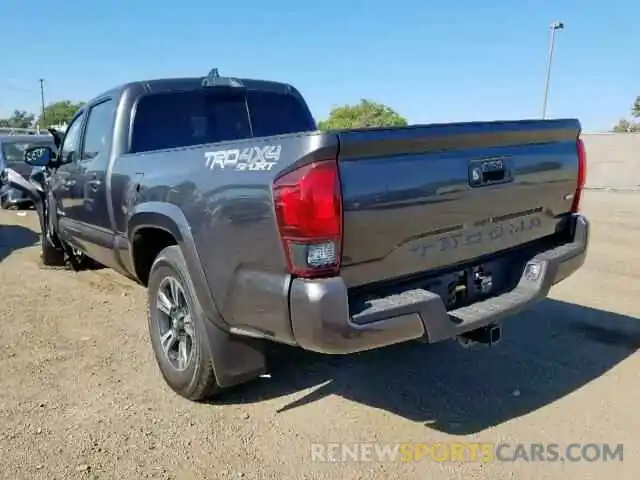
x=252, y=159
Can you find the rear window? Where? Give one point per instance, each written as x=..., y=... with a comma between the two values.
x=13, y=151
x=181, y=119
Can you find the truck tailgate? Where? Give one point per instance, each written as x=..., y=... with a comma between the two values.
x=427, y=197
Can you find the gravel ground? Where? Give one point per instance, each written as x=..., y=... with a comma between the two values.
x=81, y=396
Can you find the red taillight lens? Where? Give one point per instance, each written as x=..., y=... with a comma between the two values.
x=308, y=208
x=582, y=176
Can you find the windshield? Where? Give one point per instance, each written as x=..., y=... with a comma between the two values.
x=185, y=118
x=13, y=151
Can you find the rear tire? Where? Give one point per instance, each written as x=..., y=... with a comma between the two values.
x=177, y=328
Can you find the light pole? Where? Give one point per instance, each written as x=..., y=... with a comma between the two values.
x=552, y=40
x=42, y=95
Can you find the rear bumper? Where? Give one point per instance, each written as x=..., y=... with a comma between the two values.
x=321, y=321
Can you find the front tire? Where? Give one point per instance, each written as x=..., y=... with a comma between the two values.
x=177, y=328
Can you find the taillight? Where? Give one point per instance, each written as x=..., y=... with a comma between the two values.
x=582, y=175
x=308, y=208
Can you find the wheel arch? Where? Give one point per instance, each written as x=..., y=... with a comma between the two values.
x=235, y=359
x=155, y=225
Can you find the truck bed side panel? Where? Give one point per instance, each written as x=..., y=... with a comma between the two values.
x=231, y=216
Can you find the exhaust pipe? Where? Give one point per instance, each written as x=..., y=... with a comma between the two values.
x=489, y=335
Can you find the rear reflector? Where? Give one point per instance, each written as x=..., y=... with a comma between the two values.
x=308, y=208
x=582, y=175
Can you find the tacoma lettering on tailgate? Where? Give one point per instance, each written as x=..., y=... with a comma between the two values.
x=456, y=240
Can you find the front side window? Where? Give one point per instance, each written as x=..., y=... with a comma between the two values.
x=70, y=148
x=98, y=130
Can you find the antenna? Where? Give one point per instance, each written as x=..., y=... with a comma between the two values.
x=213, y=79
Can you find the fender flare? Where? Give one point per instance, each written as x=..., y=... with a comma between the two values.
x=169, y=217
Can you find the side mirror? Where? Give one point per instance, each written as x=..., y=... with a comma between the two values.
x=39, y=156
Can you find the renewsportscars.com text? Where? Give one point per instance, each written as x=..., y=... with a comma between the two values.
x=466, y=452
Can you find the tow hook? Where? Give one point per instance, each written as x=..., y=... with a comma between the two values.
x=489, y=335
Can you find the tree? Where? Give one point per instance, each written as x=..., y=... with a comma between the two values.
x=58, y=113
x=365, y=114
x=626, y=126
x=19, y=119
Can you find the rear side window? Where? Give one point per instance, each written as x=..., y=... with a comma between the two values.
x=182, y=119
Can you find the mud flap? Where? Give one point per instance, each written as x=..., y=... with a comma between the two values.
x=236, y=359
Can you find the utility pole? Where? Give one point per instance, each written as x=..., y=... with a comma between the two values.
x=552, y=40
x=42, y=96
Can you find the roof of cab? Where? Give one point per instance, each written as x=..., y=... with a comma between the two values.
x=189, y=83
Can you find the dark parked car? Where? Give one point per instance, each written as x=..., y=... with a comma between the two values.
x=248, y=225
x=12, y=149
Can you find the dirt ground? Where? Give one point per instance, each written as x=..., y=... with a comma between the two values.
x=81, y=397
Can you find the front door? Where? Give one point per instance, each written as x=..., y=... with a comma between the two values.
x=95, y=218
x=65, y=182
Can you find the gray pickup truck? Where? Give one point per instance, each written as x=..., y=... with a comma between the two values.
x=247, y=224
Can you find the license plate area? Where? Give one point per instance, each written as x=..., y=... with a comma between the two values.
x=468, y=286
x=460, y=285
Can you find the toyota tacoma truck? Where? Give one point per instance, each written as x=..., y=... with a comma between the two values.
x=246, y=224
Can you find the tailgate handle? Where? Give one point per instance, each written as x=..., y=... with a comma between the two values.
x=493, y=175
x=489, y=171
